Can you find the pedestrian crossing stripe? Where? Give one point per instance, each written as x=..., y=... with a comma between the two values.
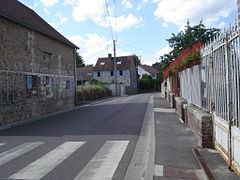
x=101, y=167
x=105, y=162
x=17, y=151
x=48, y=162
x=1, y=144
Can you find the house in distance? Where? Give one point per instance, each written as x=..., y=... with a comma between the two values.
x=126, y=73
x=149, y=70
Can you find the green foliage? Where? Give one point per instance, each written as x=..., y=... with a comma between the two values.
x=91, y=92
x=148, y=85
x=90, y=87
x=94, y=82
x=79, y=60
x=146, y=76
x=184, y=39
x=190, y=36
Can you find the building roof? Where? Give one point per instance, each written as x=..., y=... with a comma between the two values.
x=15, y=11
x=149, y=69
x=107, y=63
x=86, y=72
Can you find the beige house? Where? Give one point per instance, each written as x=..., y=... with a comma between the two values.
x=126, y=72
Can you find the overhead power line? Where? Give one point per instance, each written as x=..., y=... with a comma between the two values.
x=115, y=18
x=107, y=16
x=140, y=49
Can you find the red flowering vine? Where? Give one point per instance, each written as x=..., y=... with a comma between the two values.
x=183, y=60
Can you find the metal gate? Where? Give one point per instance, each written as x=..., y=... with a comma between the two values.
x=221, y=92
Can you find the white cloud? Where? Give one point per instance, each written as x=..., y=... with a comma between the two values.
x=178, y=11
x=164, y=50
x=46, y=11
x=91, y=48
x=222, y=25
x=165, y=24
x=62, y=18
x=93, y=9
x=49, y=2
x=87, y=9
x=70, y=2
x=127, y=4
x=123, y=22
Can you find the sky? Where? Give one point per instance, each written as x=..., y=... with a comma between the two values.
x=139, y=27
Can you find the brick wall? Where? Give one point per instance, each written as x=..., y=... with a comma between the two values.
x=30, y=58
x=201, y=124
x=179, y=107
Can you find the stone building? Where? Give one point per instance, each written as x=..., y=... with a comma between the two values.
x=37, y=65
x=126, y=73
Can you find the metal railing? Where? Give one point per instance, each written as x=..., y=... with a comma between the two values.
x=215, y=84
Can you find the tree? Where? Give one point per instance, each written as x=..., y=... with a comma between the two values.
x=190, y=36
x=184, y=39
x=79, y=60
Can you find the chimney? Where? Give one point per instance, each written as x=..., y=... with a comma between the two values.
x=110, y=55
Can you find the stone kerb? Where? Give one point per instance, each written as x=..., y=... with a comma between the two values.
x=201, y=124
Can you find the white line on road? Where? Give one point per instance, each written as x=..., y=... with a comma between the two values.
x=17, y=151
x=103, y=165
x=48, y=162
x=164, y=110
x=158, y=170
x=1, y=144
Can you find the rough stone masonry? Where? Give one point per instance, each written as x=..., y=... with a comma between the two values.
x=36, y=73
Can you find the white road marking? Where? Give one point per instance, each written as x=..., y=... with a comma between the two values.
x=103, y=165
x=164, y=110
x=48, y=162
x=1, y=144
x=17, y=151
x=158, y=170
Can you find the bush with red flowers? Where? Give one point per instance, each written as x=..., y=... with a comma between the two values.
x=188, y=58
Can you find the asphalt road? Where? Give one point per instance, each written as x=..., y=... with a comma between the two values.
x=95, y=142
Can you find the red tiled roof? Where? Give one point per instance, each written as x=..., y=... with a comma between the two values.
x=109, y=63
x=85, y=71
x=15, y=11
x=149, y=69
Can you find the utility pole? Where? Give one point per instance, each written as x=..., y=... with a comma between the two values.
x=115, y=66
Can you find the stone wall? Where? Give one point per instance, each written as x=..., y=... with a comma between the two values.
x=36, y=73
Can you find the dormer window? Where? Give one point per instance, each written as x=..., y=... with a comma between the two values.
x=102, y=63
x=119, y=62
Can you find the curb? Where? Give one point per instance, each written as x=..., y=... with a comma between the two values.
x=41, y=117
x=203, y=164
x=141, y=166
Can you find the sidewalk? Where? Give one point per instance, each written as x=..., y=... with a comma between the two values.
x=174, y=157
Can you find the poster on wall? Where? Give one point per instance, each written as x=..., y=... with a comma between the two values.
x=29, y=82
x=31, y=86
x=46, y=91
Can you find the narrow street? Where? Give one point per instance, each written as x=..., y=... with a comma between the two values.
x=93, y=142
